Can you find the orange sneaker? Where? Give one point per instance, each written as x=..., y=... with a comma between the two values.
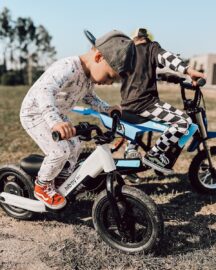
x=47, y=194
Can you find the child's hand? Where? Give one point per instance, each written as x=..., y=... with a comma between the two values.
x=194, y=74
x=66, y=130
x=113, y=108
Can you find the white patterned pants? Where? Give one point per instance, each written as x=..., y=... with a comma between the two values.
x=56, y=153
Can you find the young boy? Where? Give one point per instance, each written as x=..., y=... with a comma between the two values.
x=60, y=87
x=140, y=96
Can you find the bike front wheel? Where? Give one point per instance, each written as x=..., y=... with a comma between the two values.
x=144, y=223
x=202, y=178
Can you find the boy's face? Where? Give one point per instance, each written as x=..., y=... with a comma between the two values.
x=101, y=72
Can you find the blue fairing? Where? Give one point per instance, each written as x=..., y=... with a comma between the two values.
x=128, y=163
x=211, y=134
x=130, y=131
x=185, y=138
x=195, y=143
x=86, y=111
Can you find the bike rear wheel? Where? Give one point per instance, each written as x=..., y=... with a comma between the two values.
x=15, y=181
x=139, y=212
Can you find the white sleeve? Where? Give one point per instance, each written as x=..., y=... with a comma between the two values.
x=46, y=102
x=95, y=102
x=48, y=85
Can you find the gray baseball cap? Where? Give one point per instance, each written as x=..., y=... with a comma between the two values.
x=118, y=50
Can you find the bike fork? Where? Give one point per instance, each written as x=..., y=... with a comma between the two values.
x=204, y=136
x=111, y=194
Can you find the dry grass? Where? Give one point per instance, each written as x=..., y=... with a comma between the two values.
x=69, y=241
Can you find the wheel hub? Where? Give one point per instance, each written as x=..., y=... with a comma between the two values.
x=13, y=188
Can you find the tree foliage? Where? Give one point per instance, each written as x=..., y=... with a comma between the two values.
x=6, y=33
x=24, y=45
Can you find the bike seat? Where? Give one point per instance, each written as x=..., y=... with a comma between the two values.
x=133, y=118
x=31, y=164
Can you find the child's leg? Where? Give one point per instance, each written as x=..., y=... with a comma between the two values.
x=75, y=146
x=179, y=123
x=56, y=155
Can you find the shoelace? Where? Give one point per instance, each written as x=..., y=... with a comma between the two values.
x=50, y=190
x=164, y=159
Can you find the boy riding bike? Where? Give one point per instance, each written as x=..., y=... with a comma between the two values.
x=140, y=96
x=61, y=86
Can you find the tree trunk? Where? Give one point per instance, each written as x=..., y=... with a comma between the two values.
x=29, y=70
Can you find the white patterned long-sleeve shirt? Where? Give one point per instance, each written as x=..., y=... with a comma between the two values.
x=57, y=91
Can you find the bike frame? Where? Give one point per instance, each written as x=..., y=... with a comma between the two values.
x=100, y=160
x=204, y=135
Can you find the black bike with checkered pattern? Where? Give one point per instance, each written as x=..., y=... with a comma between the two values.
x=202, y=172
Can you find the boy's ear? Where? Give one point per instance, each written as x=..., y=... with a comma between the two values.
x=98, y=57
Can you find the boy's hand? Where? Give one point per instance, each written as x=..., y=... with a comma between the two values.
x=113, y=108
x=194, y=74
x=66, y=130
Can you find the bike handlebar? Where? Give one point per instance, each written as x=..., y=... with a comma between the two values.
x=84, y=130
x=172, y=78
x=200, y=83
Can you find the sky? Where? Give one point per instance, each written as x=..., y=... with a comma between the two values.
x=186, y=27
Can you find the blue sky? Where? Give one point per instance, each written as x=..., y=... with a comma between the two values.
x=185, y=27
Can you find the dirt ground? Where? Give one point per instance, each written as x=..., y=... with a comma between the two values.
x=68, y=241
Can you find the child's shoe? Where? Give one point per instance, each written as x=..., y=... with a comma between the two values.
x=47, y=194
x=158, y=161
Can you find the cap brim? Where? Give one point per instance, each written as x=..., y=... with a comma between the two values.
x=90, y=37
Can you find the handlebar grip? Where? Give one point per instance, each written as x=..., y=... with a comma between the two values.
x=201, y=82
x=80, y=130
x=83, y=130
x=56, y=136
x=115, y=113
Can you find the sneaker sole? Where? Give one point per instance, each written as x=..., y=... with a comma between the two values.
x=48, y=205
x=156, y=167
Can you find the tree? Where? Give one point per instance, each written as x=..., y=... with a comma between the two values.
x=43, y=42
x=6, y=34
x=25, y=46
x=34, y=45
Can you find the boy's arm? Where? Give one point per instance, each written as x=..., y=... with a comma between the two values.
x=96, y=103
x=46, y=103
x=177, y=64
x=164, y=58
x=172, y=61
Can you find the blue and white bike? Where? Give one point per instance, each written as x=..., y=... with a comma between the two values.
x=202, y=172
x=125, y=217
